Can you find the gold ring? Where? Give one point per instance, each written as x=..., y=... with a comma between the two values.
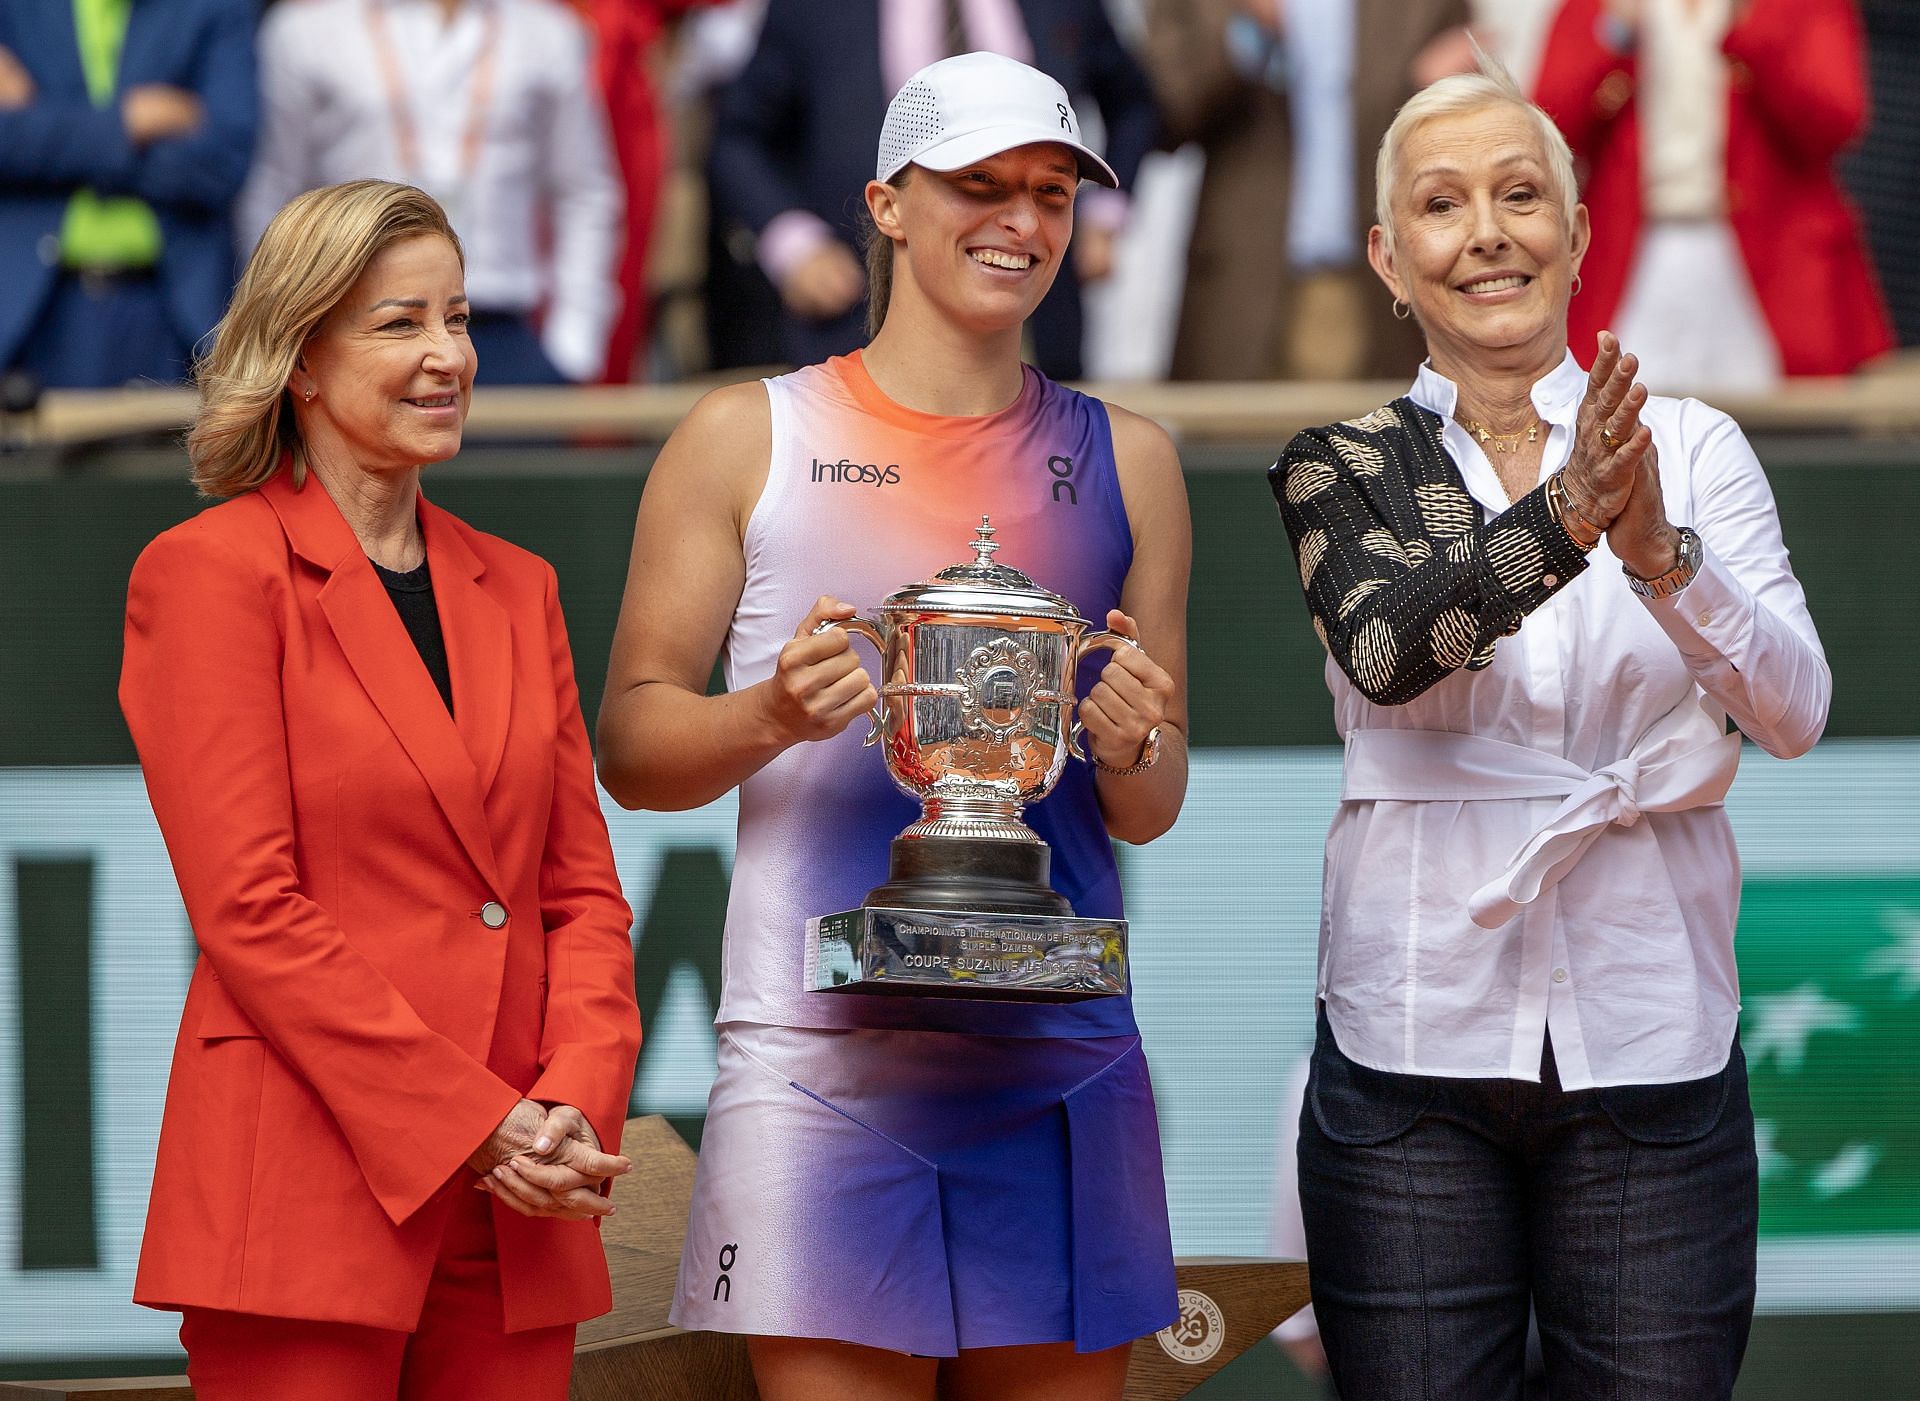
x=1613, y=444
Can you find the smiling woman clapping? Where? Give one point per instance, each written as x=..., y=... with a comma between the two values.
x=1542, y=593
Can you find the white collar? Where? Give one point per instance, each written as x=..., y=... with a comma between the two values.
x=1556, y=399
x=1555, y=394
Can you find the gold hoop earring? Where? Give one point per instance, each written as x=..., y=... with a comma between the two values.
x=1576, y=286
x=1401, y=310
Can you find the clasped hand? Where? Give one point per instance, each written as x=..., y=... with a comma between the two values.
x=1128, y=702
x=1613, y=476
x=547, y=1162
x=818, y=687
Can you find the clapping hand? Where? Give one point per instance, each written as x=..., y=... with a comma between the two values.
x=1613, y=476
x=1608, y=438
x=551, y=1166
x=1641, y=537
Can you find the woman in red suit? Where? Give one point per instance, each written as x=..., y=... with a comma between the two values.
x=412, y=1025
x=1709, y=126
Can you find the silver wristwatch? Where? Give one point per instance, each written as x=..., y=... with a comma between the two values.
x=1675, y=579
x=1149, y=756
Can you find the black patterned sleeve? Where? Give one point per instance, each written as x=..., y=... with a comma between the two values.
x=1404, y=581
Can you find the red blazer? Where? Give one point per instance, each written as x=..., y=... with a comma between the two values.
x=1796, y=96
x=354, y=1029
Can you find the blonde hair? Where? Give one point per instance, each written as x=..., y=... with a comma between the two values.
x=310, y=256
x=1457, y=95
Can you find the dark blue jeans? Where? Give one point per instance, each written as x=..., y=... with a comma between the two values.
x=1438, y=1209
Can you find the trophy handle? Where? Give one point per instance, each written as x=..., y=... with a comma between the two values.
x=860, y=627
x=1092, y=642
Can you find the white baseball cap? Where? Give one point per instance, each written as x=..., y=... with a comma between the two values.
x=971, y=106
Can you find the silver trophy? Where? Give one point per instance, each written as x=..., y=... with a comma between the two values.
x=976, y=720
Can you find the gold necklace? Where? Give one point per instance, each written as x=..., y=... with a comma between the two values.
x=1491, y=441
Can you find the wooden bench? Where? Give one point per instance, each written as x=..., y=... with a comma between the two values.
x=634, y=1354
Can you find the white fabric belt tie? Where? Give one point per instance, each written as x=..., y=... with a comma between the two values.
x=1686, y=760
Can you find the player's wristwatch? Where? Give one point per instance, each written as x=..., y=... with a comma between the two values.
x=1149, y=756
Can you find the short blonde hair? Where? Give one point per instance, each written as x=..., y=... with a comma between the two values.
x=308, y=259
x=1456, y=95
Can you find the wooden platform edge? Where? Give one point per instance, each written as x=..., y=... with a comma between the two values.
x=100, y=1389
x=1227, y=1304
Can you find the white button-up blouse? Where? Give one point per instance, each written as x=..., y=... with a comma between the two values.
x=1624, y=956
x=492, y=109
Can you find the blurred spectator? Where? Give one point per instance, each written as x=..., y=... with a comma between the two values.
x=1723, y=251
x=713, y=46
x=625, y=32
x=1289, y=100
x=1883, y=172
x=795, y=133
x=708, y=297
x=489, y=106
x=124, y=135
x=1514, y=31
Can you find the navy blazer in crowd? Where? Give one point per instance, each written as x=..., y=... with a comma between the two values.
x=61, y=142
x=799, y=128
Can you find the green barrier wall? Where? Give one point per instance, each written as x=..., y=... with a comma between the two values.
x=94, y=950
x=66, y=547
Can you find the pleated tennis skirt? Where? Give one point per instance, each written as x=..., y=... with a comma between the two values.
x=926, y=1192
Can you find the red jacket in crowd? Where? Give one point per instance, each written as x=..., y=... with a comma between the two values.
x=1796, y=97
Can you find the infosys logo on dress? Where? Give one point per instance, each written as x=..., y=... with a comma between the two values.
x=847, y=473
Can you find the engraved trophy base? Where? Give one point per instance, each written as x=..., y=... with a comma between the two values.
x=959, y=954
x=967, y=918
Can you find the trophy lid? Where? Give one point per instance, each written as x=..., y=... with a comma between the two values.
x=979, y=585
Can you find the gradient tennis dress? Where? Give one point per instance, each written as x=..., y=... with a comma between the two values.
x=920, y=1175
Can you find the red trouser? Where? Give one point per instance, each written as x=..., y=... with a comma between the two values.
x=458, y=1352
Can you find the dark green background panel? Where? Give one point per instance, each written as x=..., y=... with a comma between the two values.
x=66, y=548
x=53, y=907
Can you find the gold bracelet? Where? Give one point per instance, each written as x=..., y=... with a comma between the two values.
x=1569, y=517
